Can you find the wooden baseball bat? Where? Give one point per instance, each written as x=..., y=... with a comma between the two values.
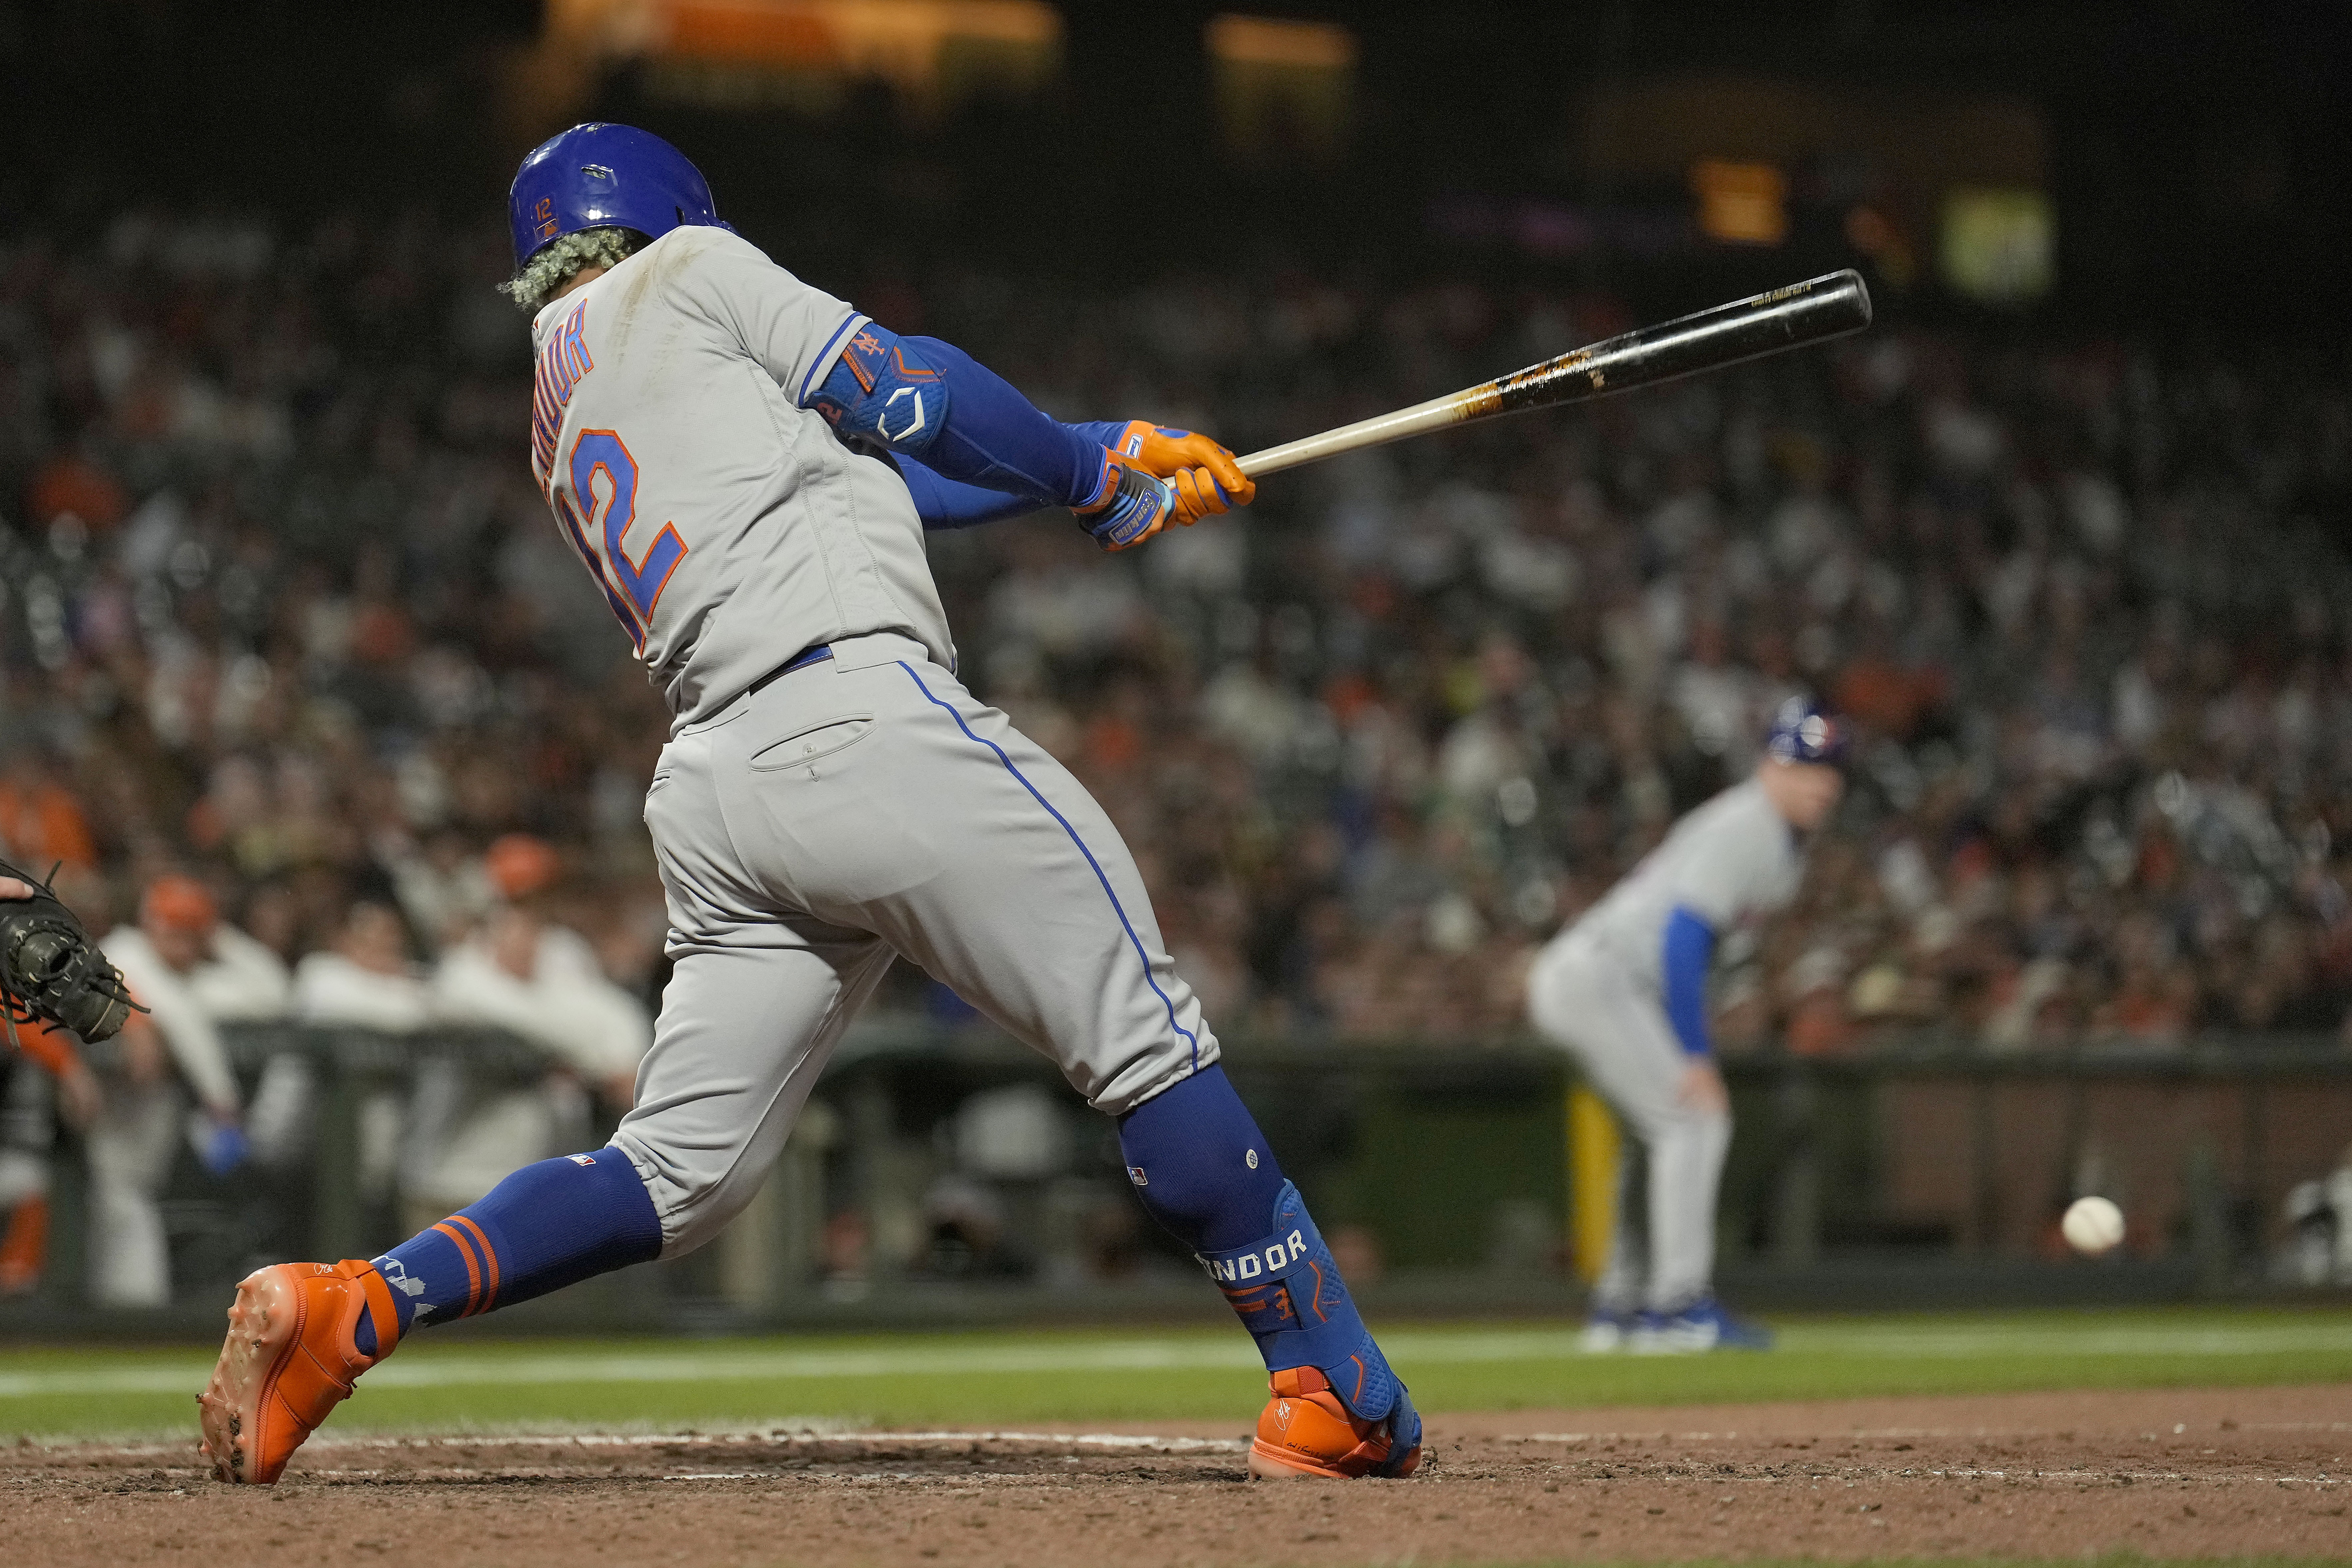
x=1812, y=312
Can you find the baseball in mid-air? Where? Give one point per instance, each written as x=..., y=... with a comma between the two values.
x=2093, y=1226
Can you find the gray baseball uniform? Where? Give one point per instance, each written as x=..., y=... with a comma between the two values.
x=1597, y=990
x=726, y=524
x=813, y=823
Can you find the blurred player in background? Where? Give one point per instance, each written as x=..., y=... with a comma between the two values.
x=1624, y=991
x=747, y=467
x=539, y=981
x=191, y=971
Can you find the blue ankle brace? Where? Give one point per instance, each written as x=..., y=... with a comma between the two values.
x=1287, y=1290
x=1204, y=1171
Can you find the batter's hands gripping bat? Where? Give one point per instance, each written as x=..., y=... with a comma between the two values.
x=1811, y=313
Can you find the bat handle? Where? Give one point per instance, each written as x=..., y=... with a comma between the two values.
x=1379, y=430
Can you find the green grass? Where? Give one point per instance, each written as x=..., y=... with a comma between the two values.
x=1067, y=1380
x=2101, y=1560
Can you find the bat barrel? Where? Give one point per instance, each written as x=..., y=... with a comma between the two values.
x=1812, y=312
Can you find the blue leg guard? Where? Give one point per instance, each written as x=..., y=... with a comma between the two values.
x=1206, y=1174
x=1288, y=1292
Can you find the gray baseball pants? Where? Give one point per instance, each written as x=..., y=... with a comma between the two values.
x=848, y=812
x=1618, y=1032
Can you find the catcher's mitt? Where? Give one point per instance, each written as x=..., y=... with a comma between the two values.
x=51, y=971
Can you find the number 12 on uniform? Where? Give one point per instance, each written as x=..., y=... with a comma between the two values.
x=633, y=587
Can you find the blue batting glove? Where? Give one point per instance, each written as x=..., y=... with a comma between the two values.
x=1134, y=505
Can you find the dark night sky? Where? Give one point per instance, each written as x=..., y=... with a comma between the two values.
x=2197, y=150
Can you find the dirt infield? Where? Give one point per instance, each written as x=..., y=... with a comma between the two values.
x=2165, y=1474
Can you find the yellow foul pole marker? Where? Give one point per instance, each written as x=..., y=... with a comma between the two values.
x=1592, y=1157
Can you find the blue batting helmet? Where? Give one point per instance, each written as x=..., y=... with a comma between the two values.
x=1802, y=733
x=597, y=176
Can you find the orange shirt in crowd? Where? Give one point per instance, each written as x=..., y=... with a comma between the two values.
x=1818, y=1025
x=69, y=483
x=44, y=825
x=1886, y=697
x=50, y=1049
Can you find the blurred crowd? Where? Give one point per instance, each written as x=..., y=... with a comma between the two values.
x=2085, y=605
x=304, y=694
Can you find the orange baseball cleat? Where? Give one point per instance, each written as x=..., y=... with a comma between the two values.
x=1305, y=1431
x=290, y=1357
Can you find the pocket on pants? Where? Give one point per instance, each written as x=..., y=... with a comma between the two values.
x=813, y=742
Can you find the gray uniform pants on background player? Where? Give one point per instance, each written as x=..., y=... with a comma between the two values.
x=26, y=1134
x=855, y=809
x=130, y=1147
x=1617, y=1029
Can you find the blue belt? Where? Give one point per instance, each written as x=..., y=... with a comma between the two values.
x=801, y=660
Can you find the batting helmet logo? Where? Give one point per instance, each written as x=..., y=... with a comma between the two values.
x=600, y=176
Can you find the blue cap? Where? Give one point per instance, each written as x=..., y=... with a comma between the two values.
x=599, y=177
x=1803, y=732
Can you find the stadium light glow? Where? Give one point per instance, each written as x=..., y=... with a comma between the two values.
x=1997, y=246
x=1265, y=41
x=1740, y=204
x=932, y=52
x=1282, y=89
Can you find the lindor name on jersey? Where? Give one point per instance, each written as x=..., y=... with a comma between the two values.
x=1241, y=1268
x=560, y=366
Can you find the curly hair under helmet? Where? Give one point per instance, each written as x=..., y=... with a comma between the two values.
x=558, y=261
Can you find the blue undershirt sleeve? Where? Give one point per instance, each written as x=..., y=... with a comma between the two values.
x=1102, y=432
x=998, y=439
x=1689, y=948
x=923, y=398
x=943, y=503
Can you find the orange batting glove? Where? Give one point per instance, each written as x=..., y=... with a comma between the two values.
x=1206, y=479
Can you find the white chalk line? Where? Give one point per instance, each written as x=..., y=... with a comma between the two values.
x=1109, y=1442
x=1791, y=1471
x=1117, y=1441
x=1878, y=1432
x=474, y=1369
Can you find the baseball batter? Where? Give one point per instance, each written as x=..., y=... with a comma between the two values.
x=746, y=466
x=1624, y=991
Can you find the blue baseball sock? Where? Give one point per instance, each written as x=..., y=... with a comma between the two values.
x=547, y=1226
x=1199, y=1162
x=1203, y=1171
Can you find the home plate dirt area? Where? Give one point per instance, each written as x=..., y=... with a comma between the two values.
x=2173, y=1473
